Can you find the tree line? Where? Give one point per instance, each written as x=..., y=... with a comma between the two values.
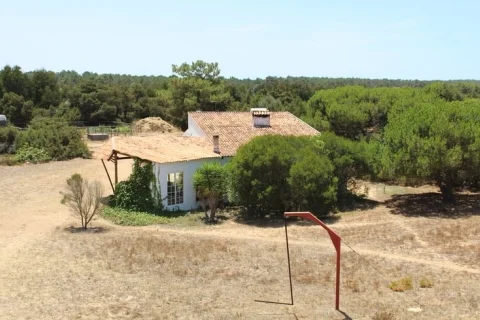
x=397, y=130
x=92, y=98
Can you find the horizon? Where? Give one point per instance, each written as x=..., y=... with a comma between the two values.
x=412, y=40
x=252, y=79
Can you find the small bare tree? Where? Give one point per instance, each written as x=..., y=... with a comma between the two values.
x=83, y=198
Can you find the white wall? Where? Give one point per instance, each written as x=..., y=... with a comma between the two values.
x=193, y=129
x=188, y=168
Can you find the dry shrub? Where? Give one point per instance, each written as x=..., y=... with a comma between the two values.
x=401, y=285
x=426, y=283
x=84, y=198
x=383, y=315
x=352, y=284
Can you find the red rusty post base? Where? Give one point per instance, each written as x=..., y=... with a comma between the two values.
x=336, y=240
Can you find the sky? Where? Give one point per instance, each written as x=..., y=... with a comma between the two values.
x=426, y=40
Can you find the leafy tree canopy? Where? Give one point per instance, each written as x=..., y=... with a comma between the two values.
x=273, y=174
x=437, y=143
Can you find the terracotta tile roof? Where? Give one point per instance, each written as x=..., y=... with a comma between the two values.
x=236, y=128
x=163, y=148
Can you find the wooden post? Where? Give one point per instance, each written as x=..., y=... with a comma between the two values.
x=288, y=258
x=115, y=157
x=108, y=175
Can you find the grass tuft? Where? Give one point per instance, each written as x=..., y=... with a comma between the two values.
x=426, y=283
x=383, y=315
x=401, y=285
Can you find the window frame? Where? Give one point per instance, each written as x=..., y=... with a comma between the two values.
x=175, y=194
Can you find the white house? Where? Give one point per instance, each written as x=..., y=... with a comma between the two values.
x=211, y=136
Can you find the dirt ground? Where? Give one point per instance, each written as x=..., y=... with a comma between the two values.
x=47, y=271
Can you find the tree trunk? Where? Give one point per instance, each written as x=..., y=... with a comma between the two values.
x=448, y=195
x=213, y=208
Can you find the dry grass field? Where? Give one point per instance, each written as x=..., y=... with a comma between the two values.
x=49, y=271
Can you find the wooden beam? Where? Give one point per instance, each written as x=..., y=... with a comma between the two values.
x=108, y=175
x=116, y=167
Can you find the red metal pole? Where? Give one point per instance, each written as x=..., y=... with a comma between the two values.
x=337, y=285
x=336, y=240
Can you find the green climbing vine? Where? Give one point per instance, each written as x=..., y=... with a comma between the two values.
x=140, y=191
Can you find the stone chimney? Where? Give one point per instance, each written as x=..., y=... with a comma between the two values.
x=216, y=143
x=260, y=117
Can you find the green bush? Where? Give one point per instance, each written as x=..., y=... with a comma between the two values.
x=8, y=136
x=351, y=160
x=31, y=154
x=139, y=192
x=58, y=139
x=273, y=174
x=313, y=184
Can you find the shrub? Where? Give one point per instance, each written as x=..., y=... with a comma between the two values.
x=273, y=174
x=58, y=139
x=139, y=192
x=401, y=285
x=426, y=283
x=83, y=198
x=8, y=136
x=313, y=184
x=259, y=172
x=351, y=160
x=31, y=154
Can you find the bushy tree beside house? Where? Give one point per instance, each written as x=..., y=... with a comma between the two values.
x=272, y=174
x=313, y=184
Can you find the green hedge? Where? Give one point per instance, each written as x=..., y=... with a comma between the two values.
x=59, y=140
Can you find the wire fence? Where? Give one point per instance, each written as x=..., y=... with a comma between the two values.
x=110, y=130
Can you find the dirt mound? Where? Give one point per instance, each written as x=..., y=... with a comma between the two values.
x=154, y=124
